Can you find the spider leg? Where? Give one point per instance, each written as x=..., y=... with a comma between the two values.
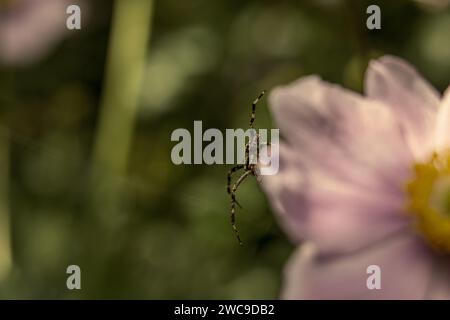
x=247, y=156
x=242, y=166
x=233, y=203
x=250, y=169
x=230, y=174
x=252, y=119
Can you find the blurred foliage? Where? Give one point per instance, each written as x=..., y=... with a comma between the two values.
x=207, y=60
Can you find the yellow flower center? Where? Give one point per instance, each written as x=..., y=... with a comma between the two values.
x=429, y=200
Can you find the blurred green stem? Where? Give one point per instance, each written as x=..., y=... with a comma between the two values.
x=131, y=30
x=5, y=231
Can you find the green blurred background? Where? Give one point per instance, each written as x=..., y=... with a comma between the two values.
x=85, y=171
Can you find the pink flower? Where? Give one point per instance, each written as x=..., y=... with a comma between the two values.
x=29, y=29
x=364, y=180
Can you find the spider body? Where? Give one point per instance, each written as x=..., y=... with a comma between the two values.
x=249, y=167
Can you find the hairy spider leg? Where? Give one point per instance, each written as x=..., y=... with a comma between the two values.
x=233, y=204
x=229, y=176
x=252, y=119
x=249, y=169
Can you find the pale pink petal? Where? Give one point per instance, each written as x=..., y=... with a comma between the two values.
x=338, y=132
x=31, y=28
x=442, y=135
x=412, y=99
x=285, y=189
x=337, y=185
x=336, y=216
x=405, y=263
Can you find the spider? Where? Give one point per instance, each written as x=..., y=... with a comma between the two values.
x=249, y=168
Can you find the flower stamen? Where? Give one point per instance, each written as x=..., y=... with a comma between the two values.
x=429, y=200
